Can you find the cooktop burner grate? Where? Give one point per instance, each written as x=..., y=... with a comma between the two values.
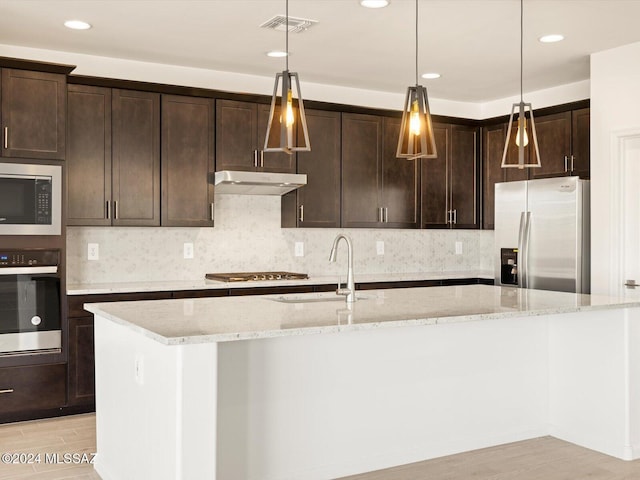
x=255, y=276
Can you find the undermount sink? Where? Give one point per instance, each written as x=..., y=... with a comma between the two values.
x=311, y=298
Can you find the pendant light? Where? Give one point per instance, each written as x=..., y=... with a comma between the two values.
x=521, y=137
x=416, y=131
x=287, y=110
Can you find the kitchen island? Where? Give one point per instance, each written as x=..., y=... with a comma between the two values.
x=306, y=386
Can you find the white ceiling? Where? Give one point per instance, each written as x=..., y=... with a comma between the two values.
x=474, y=44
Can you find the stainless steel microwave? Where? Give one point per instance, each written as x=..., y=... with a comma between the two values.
x=30, y=199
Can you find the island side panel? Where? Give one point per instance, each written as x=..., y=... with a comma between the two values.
x=594, y=380
x=155, y=406
x=325, y=406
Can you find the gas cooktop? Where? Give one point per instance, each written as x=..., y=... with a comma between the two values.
x=255, y=276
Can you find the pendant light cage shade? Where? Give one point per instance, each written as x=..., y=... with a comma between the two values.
x=521, y=137
x=287, y=125
x=416, y=130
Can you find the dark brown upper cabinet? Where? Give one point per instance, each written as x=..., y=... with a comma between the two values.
x=493, y=138
x=563, y=140
x=187, y=161
x=241, y=128
x=449, y=184
x=89, y=155
x=136, y=158
x=317, y=204
x=114, y=157
x=378, y=189
x=33, y=114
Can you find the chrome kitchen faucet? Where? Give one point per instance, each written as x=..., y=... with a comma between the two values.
x=350, y=291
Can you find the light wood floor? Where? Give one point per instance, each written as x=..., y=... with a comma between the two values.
x=543, y=458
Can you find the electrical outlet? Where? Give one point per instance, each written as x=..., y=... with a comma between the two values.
x=138, y=369
x=458, y=248
x=93, y=251
x=188, y=250
x=299, y=249
x=380, y=247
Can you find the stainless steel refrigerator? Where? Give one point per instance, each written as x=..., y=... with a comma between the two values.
x=542, y=234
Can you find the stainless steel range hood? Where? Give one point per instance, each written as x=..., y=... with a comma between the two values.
x=257, y=183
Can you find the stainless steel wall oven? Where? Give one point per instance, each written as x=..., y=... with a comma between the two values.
x=30, y=301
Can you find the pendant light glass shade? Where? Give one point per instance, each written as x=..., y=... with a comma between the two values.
x=287, y=125
x=520, y=111
x=281, y=128
x=416, y=131
x=521, y=137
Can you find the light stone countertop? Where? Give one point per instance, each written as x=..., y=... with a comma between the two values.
x=223, y=319
x=203, y=284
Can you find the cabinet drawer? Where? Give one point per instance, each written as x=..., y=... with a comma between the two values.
x=31, y=388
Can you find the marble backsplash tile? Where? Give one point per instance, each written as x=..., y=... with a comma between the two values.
x=247, y=237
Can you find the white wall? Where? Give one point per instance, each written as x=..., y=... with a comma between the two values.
x=247, y=237
x=92, y=65
x=615, y=100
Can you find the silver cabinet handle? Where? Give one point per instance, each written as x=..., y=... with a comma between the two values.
x=255, y=158
x=115, y=210
x=566, y=159
x=211, y=211
x=631, y=284
x=386, y=215
x=449, y=216
x=262, y=158
x=108, y=205
x=7, y=390
x=379, y=214
x=455, y=216
x=572, y=157
x=6, y=137
x=302, y=213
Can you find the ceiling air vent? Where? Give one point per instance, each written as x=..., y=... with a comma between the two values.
x=296, y=25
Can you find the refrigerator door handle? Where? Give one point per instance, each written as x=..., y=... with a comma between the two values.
x=521, y=250
x=525, y=250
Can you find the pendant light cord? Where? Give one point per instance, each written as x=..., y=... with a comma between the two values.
x=287, y=36
x=416, y=42
x=521, y=44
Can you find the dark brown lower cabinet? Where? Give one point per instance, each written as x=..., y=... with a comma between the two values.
x=32, y=388
x=81, y=361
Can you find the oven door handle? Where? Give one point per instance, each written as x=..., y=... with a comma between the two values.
x=27, y=270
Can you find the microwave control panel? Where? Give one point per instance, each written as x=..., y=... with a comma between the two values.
x=43, y=201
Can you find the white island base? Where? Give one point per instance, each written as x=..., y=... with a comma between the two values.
x=356, y=397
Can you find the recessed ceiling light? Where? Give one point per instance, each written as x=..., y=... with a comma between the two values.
x=430, y=76
x=276, y=54
x=556, y=37
x=374, y=3
x=77, y=25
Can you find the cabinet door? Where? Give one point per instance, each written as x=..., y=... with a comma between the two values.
x=187, y=161
x=136, y=158
x=33, y=114
x=88, y=155
x=32, y=388
x=464, y=176
x=434, y=182
x=236, y=133
x=273, y=161
x=580, y=142
x=554, y=142
x=492, y=173
x=361, y=170
x=81, y=361
x=400, y=182
x=318, y=202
